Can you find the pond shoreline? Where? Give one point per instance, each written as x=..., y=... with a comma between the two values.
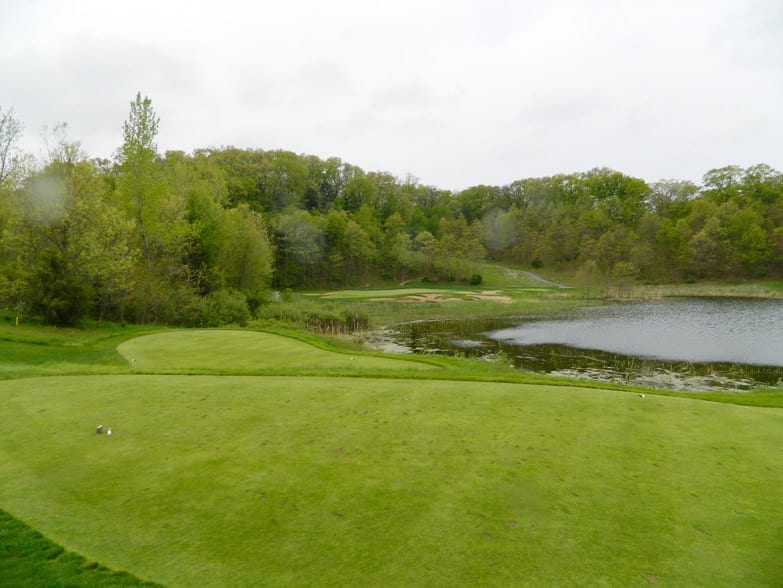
x=569, y=344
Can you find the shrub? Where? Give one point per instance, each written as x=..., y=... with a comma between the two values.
x=225, y=307
x=256, y=299
x=192, y=313
x=356, y=320
x=320, y=317
x=57, y=295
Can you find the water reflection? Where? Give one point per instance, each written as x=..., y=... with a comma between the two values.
x=701, y=330
x=679, y=344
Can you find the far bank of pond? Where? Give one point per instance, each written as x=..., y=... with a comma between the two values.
x=680, y=343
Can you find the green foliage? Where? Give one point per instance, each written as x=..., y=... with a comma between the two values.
x=458, y=249
x=56, y=294
x=225, y=307
x=141, y=185
x=314, y=315
x=69, y=246
x=245, y=255
x=149, y=238
x=477, y=201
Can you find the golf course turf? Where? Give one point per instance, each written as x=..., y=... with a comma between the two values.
x=233, y=480
x=231, y=350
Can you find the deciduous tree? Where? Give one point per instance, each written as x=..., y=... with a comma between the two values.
x=245, y=257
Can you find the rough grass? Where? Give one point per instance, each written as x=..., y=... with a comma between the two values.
x=519, y=294
x=709, y=289
x=36, y=349
x=391, y=308
x=300, y=481
x=27, y=558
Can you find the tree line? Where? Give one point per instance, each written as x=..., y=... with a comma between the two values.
x=201, y=238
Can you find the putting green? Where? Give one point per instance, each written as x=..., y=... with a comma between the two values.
x=229, y=481
x=244, y=350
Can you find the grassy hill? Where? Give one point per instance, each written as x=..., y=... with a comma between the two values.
x=241, y=458
x=237, y=351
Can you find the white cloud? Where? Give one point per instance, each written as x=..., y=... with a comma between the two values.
x=457, y=93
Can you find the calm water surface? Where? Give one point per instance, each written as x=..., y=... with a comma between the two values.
x=676, y=343
x=733, y=331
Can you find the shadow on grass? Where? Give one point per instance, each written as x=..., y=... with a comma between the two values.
x=27, y=558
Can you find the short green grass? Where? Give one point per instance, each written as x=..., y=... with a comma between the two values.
x=27, y=558
x=297, y=479
x=279, y=480
x=212, y=350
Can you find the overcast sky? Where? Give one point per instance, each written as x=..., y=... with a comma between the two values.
x=455, y=92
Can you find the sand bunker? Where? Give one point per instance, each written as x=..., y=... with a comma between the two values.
x=490, y=295
x=430, y=298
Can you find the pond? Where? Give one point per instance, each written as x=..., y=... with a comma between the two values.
x=686, y=344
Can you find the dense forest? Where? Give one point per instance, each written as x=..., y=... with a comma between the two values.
x=202, y=238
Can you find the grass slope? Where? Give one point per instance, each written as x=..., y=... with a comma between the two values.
x=280, y=480
x=246, y=350
x=35, y=350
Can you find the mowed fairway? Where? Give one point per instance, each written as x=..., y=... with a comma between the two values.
x=246, y=481
x=244, y=350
